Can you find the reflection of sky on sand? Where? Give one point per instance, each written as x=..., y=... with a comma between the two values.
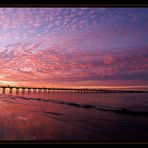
x=22, y=121
x=35, y=119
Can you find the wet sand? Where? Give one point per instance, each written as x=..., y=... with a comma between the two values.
x=20, y=120
x=34, y=119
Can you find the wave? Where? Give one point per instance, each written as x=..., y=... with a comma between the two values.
x=124, y=111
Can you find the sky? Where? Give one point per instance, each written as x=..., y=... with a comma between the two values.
x=74, y=47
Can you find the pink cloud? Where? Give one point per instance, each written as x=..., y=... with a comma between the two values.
x=74, y=45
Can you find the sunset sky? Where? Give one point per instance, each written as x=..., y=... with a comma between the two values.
x=74, y=47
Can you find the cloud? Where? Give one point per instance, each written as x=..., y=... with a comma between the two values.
x=63, y=45
x=55, y=64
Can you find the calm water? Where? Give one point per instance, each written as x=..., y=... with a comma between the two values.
x=74, y=116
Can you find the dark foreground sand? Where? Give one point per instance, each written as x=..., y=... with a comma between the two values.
x=22, y=119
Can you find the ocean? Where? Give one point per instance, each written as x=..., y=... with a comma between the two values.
x=71, y=116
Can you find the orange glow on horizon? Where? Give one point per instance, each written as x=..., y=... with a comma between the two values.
x=8, y=83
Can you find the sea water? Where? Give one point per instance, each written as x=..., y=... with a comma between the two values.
x=71, y=116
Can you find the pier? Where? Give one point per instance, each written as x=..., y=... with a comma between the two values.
x=24, y=89
x=27, y=89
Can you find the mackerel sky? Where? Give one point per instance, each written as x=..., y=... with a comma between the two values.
x=68, y=47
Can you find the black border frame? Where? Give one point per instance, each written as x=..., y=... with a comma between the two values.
x=70, y=3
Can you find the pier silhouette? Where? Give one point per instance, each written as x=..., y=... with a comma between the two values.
x=43, y=89
x=53, y=89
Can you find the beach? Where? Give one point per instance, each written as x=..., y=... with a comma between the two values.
x=62, y=116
